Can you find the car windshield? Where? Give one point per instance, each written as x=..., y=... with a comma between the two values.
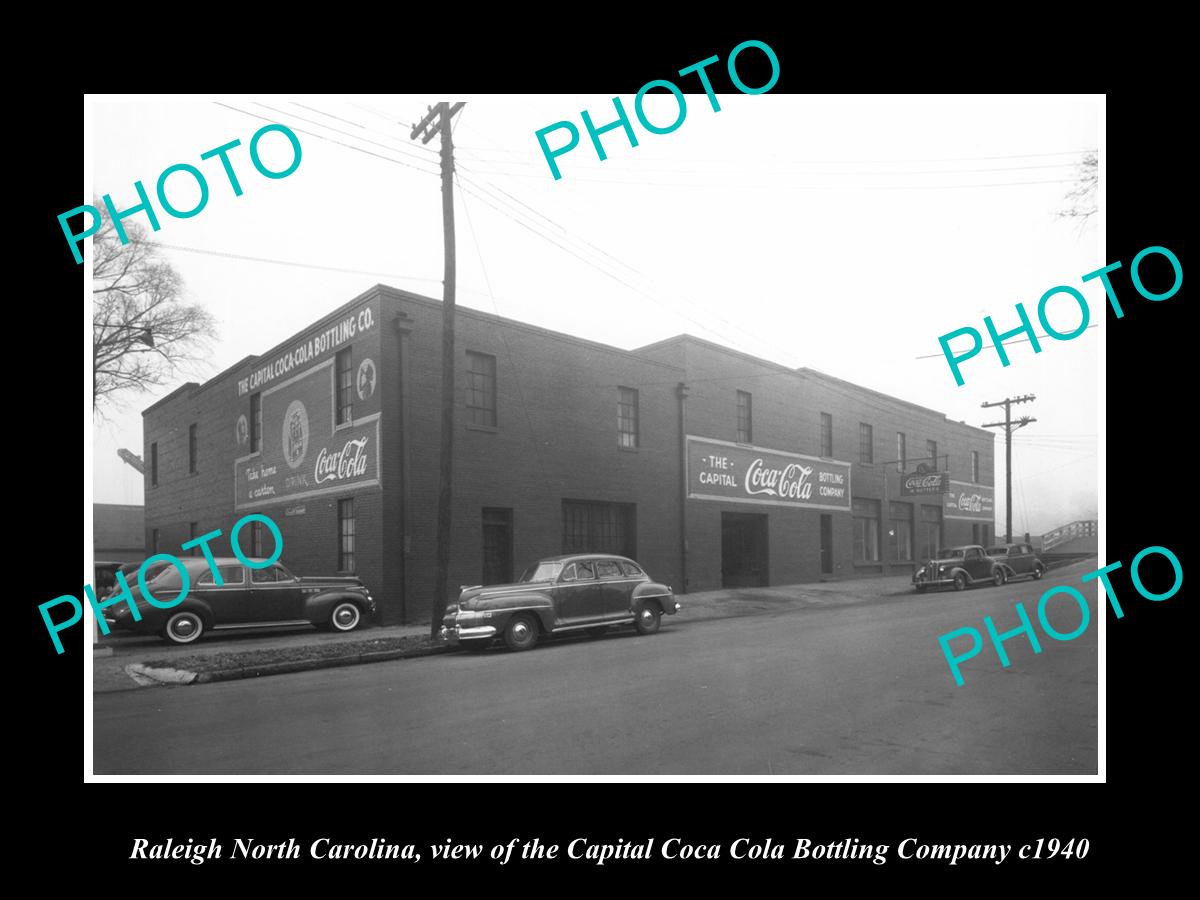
x=997, y=551
x=954, y=553
x=543, y=571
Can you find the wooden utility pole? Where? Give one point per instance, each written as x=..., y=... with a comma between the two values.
x=1009, y=427
x=437, y=120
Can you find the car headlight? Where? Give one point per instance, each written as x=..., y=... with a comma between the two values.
x=941, y=570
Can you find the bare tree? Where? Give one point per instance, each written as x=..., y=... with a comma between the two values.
x=1081, y=199
x=143, y=331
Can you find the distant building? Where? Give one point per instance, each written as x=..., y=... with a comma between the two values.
x=710, y=467
x=118, y=532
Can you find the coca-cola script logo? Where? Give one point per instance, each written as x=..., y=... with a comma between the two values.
x=789, y=482
x=922, y=482
x=349, y=462
x=970, y=502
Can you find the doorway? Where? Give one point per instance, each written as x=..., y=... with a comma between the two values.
x=826, y=544
x=497, y=546
x=743, y=550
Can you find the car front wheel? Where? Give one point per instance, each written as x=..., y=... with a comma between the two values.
x=183, y=628
x=648, y=619
x=960, y=582
x=998, y=578
x=1038, y=571
x=521, y=633
x=345, y=617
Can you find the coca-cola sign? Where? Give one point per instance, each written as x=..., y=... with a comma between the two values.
x=970, y=501
x=304, y=451
x=924, y=483
x=719, y=470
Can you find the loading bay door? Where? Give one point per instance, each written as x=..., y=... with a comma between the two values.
x=743, y=550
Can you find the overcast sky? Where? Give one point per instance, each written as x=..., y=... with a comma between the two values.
x=843, y=234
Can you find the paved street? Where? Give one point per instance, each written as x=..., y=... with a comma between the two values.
x=860, y=688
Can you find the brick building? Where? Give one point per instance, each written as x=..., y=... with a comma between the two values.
x=709, y=466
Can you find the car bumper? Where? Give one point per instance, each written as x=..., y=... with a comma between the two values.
x=452, y=634
x=932, y=581
x=672, y=606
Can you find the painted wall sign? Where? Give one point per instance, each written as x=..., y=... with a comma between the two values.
x=924, y=483
x=305, y=453
x=970, y=501
x=720, y=470
x=309, y=350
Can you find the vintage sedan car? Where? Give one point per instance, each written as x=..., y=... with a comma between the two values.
x=248, y=598
x=959, y=567
x=584, y=592
x=1018, y=560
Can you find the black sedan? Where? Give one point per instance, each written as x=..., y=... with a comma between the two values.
x=246, y=598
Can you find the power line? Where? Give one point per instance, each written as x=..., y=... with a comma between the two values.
x=285, y=262
x=328, y=139
x=1013, y=341
x=401, y=151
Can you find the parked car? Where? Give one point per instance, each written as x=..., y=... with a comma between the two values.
x=1018, y=560
x=104, y=577
x=959, y=567
x=579, y=592
x=249, y=598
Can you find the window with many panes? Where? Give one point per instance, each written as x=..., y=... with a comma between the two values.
x=901, y=452
x=256, y=540
x=866, y=530
x=627, y=418
x=866, y=443
x=599, y=528
x=900, y=533
x=193, y=449
x=826, y=434
x=745, y=430
x=345, y=387
x=481, y=389
x=153, y=541
x=975, y=466
x=154, y=464
x=346, y=535
x=255, y=422
x=931, y=452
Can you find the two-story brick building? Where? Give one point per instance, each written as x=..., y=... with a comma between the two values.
x=708, y=466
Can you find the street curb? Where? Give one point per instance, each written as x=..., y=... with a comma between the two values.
x=306, y=665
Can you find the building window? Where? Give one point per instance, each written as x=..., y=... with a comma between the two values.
x=256, y=540
x=931, y=452
x=481, y=389
x=931, y=531
x=192, y=449
x=901, y=452
x=346, y=535
x=975, y=466
x=900, y=534
x=255, y=422
x=154, y=464
x=345, y=387
x=153, y=541
x=826, y=434
x=193, y=533
x=866, y=443
x=745, y=431
x=599, y=528
x=866, y=530
x=627, y=418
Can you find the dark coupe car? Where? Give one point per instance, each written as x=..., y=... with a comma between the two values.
x=586, y=592
x=959, y=567
x=249, y=598
x=1018, y=560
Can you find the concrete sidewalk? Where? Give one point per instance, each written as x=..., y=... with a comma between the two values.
x=109, y=671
